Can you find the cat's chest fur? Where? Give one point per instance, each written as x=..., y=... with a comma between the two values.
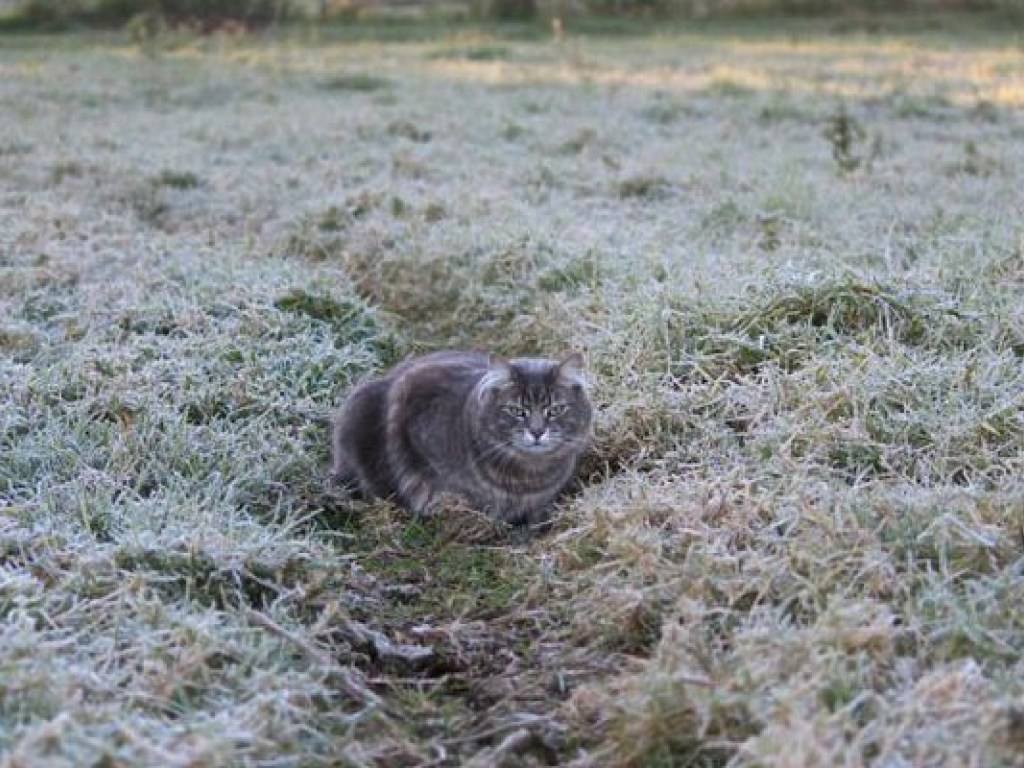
x=505, y=435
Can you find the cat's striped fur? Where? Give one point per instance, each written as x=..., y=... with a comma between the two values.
x=504, y=435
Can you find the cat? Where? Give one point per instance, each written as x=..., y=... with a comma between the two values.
x=502, y=435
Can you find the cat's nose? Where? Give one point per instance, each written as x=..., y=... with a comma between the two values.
x=538, y=433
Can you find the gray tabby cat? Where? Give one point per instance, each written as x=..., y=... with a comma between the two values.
x=505, y=435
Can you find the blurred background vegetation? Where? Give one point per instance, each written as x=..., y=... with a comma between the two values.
x=210, y=15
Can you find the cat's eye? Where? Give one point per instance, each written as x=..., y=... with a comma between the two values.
x=555, y=410
x=515, y=410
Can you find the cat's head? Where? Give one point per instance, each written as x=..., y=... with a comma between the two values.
x=535, y=406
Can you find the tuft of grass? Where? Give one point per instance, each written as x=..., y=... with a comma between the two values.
x=177, y=179
x=583, y=139
x=512, y=131
x=844, y=132
x=974, y=162
x=664, y=112
x=665, y=714
x=474, y=53
x=15, y=148
x=783, y=325
x=408, y=130
x=575, y=276
x=345, y=315
x=782, y=109
x=729, y=88
x=434, y=211
x=934, y=106
x=65, y=169
x=357, y=82
x=644, y=186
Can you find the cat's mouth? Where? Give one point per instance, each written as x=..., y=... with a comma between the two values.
x=536, y=445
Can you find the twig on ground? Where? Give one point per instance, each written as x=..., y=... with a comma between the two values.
x=346, y=679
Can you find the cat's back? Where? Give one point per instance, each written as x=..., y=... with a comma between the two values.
x=449, y=373
x=371, y=431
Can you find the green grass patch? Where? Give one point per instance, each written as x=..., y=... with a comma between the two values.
x=358, y=82
x=475, y=53
x=177, y=179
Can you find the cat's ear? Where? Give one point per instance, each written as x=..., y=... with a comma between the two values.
x=499, y=374
x=572, y=370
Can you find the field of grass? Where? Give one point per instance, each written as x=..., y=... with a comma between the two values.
x=794, y=261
